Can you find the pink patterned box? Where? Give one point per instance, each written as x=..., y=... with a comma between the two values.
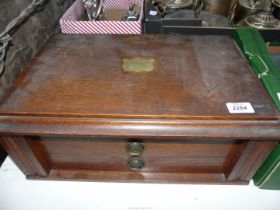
x=70, y=23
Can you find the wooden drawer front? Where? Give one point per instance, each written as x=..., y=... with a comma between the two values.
x=108, y=155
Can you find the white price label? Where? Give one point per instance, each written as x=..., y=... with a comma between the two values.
x=243, y=107
x=278, y=96
x=153, y=12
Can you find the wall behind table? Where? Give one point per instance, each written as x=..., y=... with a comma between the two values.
x=29, y=36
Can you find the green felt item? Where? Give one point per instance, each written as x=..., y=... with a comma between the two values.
x=268, y=176
x=254, y=48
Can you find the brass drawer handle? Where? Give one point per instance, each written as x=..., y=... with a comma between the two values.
x=135, y=164
x=135, y=148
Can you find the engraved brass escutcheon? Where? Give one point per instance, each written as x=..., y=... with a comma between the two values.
x=138, y=64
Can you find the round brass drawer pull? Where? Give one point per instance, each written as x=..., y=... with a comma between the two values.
x=135, y=164
x=135, y=148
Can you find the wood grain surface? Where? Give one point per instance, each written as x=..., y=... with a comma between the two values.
x=160, y=156
x=193, y=78
x=74, y=108
x=189, y=161
x=76, y=86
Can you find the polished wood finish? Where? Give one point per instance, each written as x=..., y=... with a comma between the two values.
x=24, y=156
x=181, y=157
x=251, y=159
x=73, y=79
x=165, y=160
x=74, y=108
x=3, y=154
x=136, y=177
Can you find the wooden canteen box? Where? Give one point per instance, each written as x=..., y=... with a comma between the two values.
x=149, y=108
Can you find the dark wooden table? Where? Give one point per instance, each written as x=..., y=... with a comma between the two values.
x=149, y=108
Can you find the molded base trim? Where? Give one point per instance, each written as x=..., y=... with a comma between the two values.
x=136, y=177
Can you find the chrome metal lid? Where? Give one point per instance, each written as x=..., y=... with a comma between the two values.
x=176, y=4
x=255, y=4
x=262, y=20
x=276, y=2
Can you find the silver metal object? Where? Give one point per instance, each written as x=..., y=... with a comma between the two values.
x=93, y=8
x=262, y=20
x=197, y=7
x=276, y=8
x=177, y=4
x=219, y=7
x=131, y=14
x=244, y=8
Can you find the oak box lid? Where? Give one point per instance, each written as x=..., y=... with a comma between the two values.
x=157, y=77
